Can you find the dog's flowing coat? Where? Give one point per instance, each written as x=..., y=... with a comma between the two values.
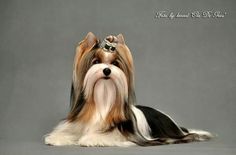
x=103, y=110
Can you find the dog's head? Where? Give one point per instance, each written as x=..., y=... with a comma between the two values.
x=103, y=79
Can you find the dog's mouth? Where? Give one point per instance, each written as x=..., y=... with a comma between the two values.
x=106, y=77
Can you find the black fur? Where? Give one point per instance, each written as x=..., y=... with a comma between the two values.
x=162, y=126
x=72, y=95
x=126, y=126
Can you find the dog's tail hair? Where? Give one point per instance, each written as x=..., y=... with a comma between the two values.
x=192, y=135
x=162, y=129
x=201, y=135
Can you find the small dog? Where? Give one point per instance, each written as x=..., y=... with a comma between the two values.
x=103, y=110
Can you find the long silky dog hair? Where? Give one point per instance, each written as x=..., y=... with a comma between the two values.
x=103, y=105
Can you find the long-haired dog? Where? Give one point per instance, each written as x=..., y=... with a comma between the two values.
x=103, y=110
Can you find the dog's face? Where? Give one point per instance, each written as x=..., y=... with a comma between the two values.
x=102, y=78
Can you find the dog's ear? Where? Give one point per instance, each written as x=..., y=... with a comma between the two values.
x=76, y=98
x=84, y=47
x=87, y=44
x=120, y=39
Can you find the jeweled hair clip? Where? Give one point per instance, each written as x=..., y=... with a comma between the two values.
x=108, y=46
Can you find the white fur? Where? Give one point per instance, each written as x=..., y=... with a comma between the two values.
x=95, y=73
x=104, y=96
x=76, y=134
x=202, y=135
x=114, y=138
x=65, y=133
x=105, y=91
x=142, y=124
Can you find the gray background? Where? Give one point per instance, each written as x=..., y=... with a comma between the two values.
x=184, y=67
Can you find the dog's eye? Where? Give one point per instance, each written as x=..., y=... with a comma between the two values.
x=115, y=63
x=96, y=61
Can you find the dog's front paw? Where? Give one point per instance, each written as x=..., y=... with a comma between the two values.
x=103, y=140
x=59, y=140
x=53, y=140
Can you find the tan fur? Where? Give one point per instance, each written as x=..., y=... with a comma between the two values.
x=86, y=113
x=116, y=114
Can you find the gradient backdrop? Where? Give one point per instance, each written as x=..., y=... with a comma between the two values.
x=185, y=67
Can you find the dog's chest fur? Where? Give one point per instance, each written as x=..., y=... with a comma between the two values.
x=104, y=97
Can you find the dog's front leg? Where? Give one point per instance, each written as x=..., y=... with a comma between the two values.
x=65, y=133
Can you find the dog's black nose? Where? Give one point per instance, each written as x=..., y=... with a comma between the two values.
x=107, y=71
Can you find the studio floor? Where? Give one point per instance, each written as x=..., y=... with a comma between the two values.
x=213, y=147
